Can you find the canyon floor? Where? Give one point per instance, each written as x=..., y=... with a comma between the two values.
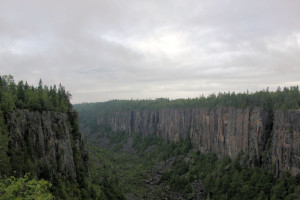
x=139, y=173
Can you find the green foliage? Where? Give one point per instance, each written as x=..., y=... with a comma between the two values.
x=24, y=188
x=288, y=98
x=41, y=98
x=4, y=139
x=163, y=150
x=107, y=177
x=233, y=180
x=222, y=178
x=4, y=159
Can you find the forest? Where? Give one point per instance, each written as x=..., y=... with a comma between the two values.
x=22, y=176
x=155, y=169
x=41, y=98
x=286, y=98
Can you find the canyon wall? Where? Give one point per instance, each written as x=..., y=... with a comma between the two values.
x=285, y=147
x=225, y=131
x=46, y=144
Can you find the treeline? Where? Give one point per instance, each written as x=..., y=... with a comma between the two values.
x=286, y=98
x=41, y=98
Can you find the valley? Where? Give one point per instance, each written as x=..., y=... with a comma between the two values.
x=150, y=168
x=230, y=146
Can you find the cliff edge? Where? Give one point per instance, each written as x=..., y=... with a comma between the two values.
x=46, y=144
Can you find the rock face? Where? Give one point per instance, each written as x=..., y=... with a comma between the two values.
x=225, y=131
x=45, y=139
x=286, y=141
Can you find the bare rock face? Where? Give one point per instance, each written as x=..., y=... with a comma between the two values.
x=286, y=141
x=45, y=138
x=229, y=131
x=226, y=131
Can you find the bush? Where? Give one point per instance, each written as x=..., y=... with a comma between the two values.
x=24, y=188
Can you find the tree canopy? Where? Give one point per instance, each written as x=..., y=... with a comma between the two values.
x=286, y=98
x=24, y=188
x=41, y=98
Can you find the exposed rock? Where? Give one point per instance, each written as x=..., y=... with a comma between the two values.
x=127, y=146
x=198, y=190
x=286, y=141
x=225, y=131
x=47, y=137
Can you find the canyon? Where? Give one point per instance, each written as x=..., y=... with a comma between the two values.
x=265, y=136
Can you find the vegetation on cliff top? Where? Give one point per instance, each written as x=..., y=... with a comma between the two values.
x=41, y=98
x=286, y=98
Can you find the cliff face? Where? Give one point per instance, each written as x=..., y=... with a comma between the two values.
x=286, y=141
x=46, y=144
x=225, y=131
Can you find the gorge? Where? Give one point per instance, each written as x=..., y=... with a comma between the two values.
x=225, y=131
x=214, y=147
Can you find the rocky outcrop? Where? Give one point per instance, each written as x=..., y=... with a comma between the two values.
x=48, y=142
x=225, y=131
x=286, y=141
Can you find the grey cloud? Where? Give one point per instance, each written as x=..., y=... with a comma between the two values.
x=111, y=49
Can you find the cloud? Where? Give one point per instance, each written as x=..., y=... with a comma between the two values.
x=110, y=49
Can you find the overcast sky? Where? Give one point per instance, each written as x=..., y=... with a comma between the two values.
x=108, y=49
